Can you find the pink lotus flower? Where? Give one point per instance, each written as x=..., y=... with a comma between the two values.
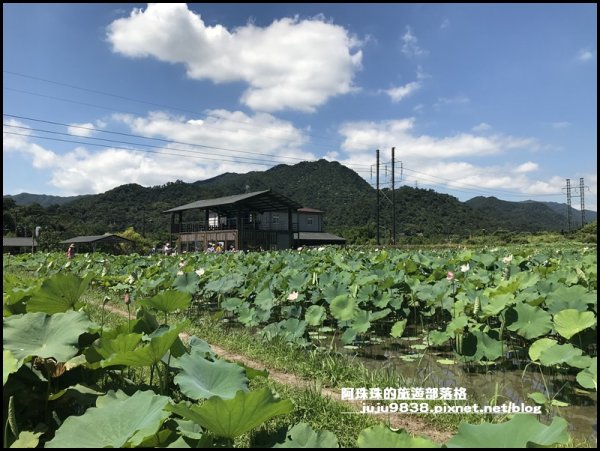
x=450, y=275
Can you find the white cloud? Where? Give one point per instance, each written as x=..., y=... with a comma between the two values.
x=585, y=55
x=561, y=124
x=291, y=64
x=20, y=142
x=445, y=24
x=410, y=44
x=83, y=170
x=400, y=92
x=364, y=136
x=436, y=158
x=526, y=167
x=85, y=130
x=456, y=100
x=261, y=133
x=483, y=127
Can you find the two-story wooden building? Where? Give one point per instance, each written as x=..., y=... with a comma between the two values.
x=252, y=221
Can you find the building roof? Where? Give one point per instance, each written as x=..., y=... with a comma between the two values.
x=95, y=239
x=18, y=242
x=259, y=201
x=318, y=237
x=309, y=210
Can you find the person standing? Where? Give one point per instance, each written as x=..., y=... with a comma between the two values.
x=71, y=251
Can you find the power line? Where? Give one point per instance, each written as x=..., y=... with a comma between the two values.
x=152, y=139
x=477, y=189
x=229, y=158
x=95, y=91
x=147, y=137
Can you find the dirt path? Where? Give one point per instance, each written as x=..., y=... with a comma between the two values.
x=413, y=425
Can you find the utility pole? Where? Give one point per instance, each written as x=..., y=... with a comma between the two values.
x=568, y=205
x=393, y=201
x=377, y=178
x=581, y=189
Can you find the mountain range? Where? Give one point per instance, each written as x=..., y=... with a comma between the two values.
x=349, y=203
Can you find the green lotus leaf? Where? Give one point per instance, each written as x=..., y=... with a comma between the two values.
x=42, y=335
x=186, y=283
x=348, y=336
x=520, y=432
x=163, y=438
x=225, y=284
x=446, y=361
x=539, y=346
x=147, y=355
x=303, y=436
x=478, y=345
x=201, y=378
x=569, y=322
x=292, y=329
x=168, y=301
x=457, y=324
x=332, y=291
x=231, y=304
x=437, y=337
x=588, y=378
x=381, y=436
x=58, y=294
x=106, y=347
x=264, y=299
x=558, y=354
x=79, y=393
x=573, y=297
x=486, y=260
x=381, y=298
x=199, y=345
x=27, y=439
x=398, y=328
x=233, y=417
x=298, y=281
x=342, y=307
x=532, y=321
x=582, y=361
x=247, y=315
x=315, y=315
x=538, y=397
x=117, y=421
x=374, y=316
x=9, y=365
x=361, y=321
x=496, y=304
x=189, y=429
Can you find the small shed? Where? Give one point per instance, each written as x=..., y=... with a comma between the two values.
x=107, y=242
x=18, y=245
x=317, y=239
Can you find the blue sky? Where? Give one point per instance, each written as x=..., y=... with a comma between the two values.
x=478, y=100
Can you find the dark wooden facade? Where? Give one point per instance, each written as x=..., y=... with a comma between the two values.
x=235, y=221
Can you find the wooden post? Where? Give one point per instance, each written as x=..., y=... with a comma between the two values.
x=290, y=228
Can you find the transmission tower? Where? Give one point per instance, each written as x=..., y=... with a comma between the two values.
x=580, y=193
x=581, y=189
x=569, y=205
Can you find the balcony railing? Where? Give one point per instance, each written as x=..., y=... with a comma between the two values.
x=194, y=227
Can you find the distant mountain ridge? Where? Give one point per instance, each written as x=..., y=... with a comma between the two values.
x=346, y=198
x=45, y=200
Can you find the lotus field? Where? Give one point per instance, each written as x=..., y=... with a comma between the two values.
x=494, y=309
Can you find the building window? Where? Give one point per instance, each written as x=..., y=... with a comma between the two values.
x=309, y=220
x=276, y=219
